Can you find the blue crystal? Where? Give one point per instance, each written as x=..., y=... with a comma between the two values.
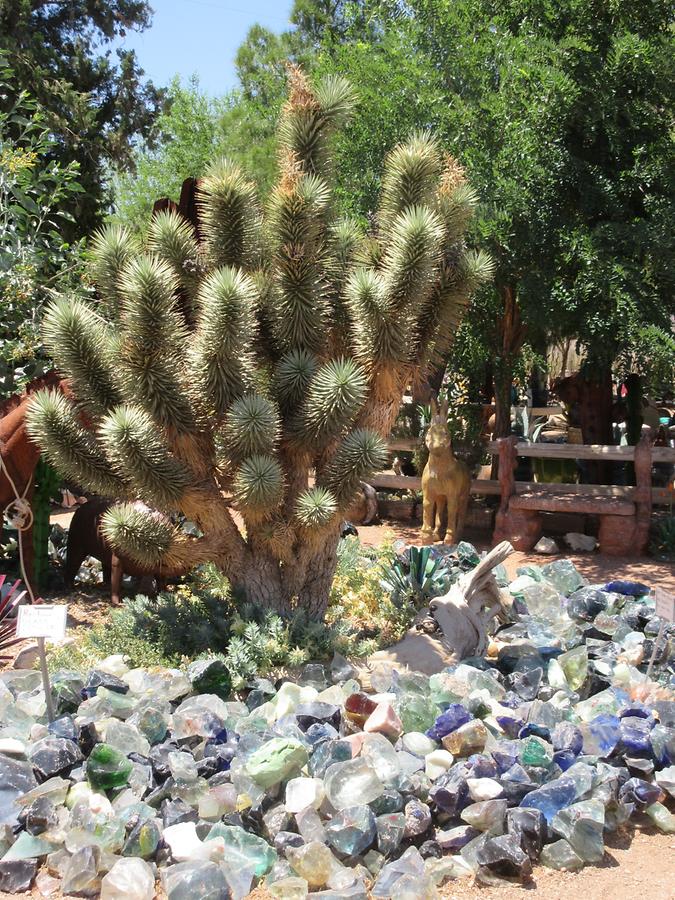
x=511, y=726
x=627, y=588
x=564, y=759
x=538, y=730
x=601, y=735
x=448, y=721
x=552, y=797
x=635, y=736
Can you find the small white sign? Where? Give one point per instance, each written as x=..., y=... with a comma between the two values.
x=665, y=604
x=43, y=620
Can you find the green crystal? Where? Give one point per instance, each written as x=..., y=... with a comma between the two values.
x=561, y=856
x=243, y=849
x=575, y=666
x=107, y=768
x=563, y=575
x=535, y=752
x=417, y=713
x=582, y=825
x=661, y=817
x=27, y=846
x=275, y=760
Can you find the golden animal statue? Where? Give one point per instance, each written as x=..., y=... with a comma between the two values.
x=446, y=482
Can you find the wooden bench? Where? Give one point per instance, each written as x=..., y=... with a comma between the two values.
x=624, y=513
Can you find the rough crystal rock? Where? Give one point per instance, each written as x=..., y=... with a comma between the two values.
x=129, y=879
x=352, y=831
x=107, y=768
x=17, y=876
x=351, y=783
x=189, y=880
x=275, y=760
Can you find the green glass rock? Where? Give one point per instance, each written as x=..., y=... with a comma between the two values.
x=243, y=849
x=276, y=760
x=661, y=817
x=582, y=825
x=417, y=713
x=210, y=676
x=107, y=768
x=535, y=752
x=561, y=856
x=574, y=664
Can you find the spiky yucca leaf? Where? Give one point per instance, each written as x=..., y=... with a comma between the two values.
x=83, y=343
x=412, y=255
x=229, y=214
x=343, y=239
x=311, y=115
x=476, y=268
x=297, y=209
x=337, y=99
x=222, y=363
x=461, y=273
x=377, y=335
x=336, y=394
x=258, y=487
x=52, y=422
x=136, y=449
x=456, y=208
x=300, y=312
x=251, y=427
x=111, y=249
x=153, y=343
x=139, y=533
x=359, y=455
x=315, y=507
x=172, y=238
x=293, y=375
x=410, y=177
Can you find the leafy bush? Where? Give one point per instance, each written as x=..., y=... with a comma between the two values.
x=35, y=262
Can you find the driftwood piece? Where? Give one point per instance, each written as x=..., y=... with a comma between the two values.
x=464, y=616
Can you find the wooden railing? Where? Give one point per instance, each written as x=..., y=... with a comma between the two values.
x=489, y=487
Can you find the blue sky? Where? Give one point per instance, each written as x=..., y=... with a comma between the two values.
x=201, y=37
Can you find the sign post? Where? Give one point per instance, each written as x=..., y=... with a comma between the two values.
x=665, y=609
x=43, y=620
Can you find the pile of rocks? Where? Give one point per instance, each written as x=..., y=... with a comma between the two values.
x=531, y=754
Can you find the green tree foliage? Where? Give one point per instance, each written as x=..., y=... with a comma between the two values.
x=263, y=365
x=562, y=115
x=184, y=139
x=35, y=261
x=95, y=103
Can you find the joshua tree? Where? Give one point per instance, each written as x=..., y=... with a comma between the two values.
x=257, y=361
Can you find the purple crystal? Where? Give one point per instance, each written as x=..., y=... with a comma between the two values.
x=639, y=792
x=448, y=721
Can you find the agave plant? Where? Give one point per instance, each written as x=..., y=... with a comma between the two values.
x=259, y=356
x=417, y=576
x=10, y=597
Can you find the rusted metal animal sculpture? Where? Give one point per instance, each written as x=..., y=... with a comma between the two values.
x=446, y=482
x=18, y=459
x=85, y=538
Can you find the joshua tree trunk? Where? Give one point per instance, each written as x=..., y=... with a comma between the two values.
x=259, y=357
